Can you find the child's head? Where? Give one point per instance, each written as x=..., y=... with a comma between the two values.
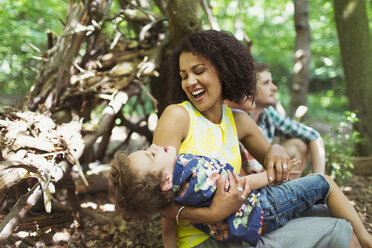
x=140, y=183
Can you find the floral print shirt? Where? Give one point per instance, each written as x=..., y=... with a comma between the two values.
x=196, y=177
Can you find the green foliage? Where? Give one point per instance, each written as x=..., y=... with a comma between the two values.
x=138, y=106
x=269, y=24
x=340, y=145
x=23, y=23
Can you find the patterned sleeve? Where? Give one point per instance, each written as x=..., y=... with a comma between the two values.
x=290, y=128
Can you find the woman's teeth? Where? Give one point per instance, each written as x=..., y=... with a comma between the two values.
x=197, y=92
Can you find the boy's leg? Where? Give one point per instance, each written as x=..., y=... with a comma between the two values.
x=340, y=207
x=286, y=201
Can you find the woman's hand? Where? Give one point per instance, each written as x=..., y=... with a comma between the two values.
x=227, y=202
x=277, y=163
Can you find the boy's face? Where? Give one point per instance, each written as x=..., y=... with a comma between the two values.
x=153, y=160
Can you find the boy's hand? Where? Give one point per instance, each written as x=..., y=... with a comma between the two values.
x=294, y=163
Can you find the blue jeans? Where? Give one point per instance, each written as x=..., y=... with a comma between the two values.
x=284, y=202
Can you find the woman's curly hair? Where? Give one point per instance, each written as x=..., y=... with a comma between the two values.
x=136, y=198
x=228, y=55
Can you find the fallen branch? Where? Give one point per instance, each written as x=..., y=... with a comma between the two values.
x=136, y=127
x=18, y=212
x=107, y=117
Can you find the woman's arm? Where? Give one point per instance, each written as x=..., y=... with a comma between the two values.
x=172, y=127
x=223, y=205
x=272, y=157
x=169, y=233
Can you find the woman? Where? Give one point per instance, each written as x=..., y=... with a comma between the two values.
x=207, y=68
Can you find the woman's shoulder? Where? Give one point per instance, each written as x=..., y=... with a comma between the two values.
x=172, y=127
x=176, y=111
x=240, y=116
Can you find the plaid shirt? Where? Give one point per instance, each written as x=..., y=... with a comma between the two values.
x=272, y=123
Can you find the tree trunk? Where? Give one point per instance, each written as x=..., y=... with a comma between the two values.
x=356, y=50
x=184, y=18
x=301, y=70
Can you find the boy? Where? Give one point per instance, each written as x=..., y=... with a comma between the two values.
x=146, y=181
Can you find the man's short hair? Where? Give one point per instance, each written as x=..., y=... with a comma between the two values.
x=260, y=67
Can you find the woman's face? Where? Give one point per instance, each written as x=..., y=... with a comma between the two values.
x=200, y=82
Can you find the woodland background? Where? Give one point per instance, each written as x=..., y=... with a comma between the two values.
x=82, y=79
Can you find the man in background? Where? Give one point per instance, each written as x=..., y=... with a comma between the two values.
x=299, y=140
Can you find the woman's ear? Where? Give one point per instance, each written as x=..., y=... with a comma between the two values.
x=166, y=183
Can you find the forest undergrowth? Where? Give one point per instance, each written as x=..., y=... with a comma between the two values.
x=104, y=228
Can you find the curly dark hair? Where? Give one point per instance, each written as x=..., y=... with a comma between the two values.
x=228, y=55
x=136, y=198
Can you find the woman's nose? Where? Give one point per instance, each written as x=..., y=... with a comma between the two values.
x=191, y=81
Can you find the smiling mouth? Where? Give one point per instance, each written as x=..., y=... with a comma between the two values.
x=198, y=93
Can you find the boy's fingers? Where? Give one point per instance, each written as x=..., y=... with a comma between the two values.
x=295, y=162
x=294, y=172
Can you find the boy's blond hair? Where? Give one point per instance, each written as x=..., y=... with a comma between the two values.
x=136, y=198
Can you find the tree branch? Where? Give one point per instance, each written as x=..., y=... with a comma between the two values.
x=18, y=212
x=211, y=18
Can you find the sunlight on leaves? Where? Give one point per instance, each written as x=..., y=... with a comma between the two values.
x=89, y=205
x=107, y=207
x=61, y=236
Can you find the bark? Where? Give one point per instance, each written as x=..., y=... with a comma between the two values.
x=301, y=70
x=356, y=49
x=362, y=165
x=99, y=9
x=184, y=17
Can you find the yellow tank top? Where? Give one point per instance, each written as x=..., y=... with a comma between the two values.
x=206, y=138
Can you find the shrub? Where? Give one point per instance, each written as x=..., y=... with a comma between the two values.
x=340, y=145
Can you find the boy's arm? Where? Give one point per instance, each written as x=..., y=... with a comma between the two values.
x=169, y=233
x=260, y=180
